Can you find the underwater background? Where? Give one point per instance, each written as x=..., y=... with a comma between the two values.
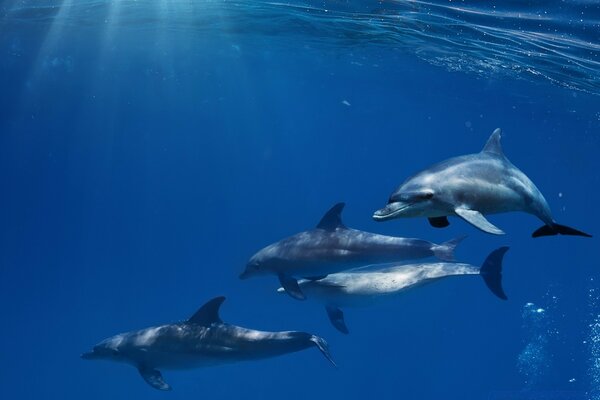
x=149, y=148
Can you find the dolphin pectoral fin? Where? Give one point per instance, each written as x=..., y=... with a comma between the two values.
x=154, y=378
x=477, y=219
x=557, y=229
x=439, y=222
x=336, y=316
x=291, y=287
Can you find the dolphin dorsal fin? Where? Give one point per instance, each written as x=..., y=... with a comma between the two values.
x=332, y=218
x=493, y=144
x=208, y=313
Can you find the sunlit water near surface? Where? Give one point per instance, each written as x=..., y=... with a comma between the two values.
x=557, y=41
x=149, y=148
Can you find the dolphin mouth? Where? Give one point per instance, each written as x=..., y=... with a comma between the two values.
x=390, y=211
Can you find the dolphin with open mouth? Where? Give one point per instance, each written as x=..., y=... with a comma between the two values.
x=470, y=187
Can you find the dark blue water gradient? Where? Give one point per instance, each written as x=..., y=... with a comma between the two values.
x=147, y=149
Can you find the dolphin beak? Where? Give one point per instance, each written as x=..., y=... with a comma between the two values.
x=390, y=211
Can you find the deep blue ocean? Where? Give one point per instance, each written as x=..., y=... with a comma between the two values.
x=149, y=148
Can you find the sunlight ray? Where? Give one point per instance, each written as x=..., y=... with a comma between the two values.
x=51, y=41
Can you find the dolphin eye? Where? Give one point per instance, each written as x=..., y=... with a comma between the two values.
x=114, y=352
x=427, y=196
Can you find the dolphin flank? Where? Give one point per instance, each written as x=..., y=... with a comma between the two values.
x=470, y=187
x=364, y=287
x=332, y=247
x=203, y=340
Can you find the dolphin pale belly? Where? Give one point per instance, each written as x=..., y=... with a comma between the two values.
x=332, y=247
x=202, y=340
x=364, y=287
x=470, y=187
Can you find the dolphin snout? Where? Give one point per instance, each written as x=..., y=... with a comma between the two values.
x=379, y=215
x=390, y=211
x=383, y=213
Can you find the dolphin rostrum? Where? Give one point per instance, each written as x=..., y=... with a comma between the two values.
x=471, y=186
x=332, y=247
x=363, y=287
x=203, y=340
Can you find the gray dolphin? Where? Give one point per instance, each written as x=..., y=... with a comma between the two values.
x=364, y=287
x=471, y=186
x=332, y=247
x=203, y=340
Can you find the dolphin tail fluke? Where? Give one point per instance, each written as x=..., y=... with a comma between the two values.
x=324, y=347
x=491, y=272
x=445, y=251
x=557, y=229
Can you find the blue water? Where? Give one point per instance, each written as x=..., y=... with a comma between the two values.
x=149, y=148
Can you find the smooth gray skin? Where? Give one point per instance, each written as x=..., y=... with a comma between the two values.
x=332, y=247
x=203, y=340
x=364, y=287
x=471, y=186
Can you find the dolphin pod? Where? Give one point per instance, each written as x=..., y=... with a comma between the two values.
x=341, y=267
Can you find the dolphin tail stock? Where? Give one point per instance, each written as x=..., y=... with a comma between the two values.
x=557, y=229
x=445, y=251
x=323, y=347
x=491, y=271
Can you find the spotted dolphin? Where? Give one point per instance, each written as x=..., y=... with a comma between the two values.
x=332, y=247
x=203, y=340
x=470, y=187
x=364, y=287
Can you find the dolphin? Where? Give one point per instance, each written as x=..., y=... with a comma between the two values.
x=470, y=187
x=203, y=340
x=364, y=287
x=332, y=247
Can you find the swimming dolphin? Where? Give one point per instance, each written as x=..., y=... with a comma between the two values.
x=471, y=186
x=365, y=286
x=332, y=247
x=203, y=340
